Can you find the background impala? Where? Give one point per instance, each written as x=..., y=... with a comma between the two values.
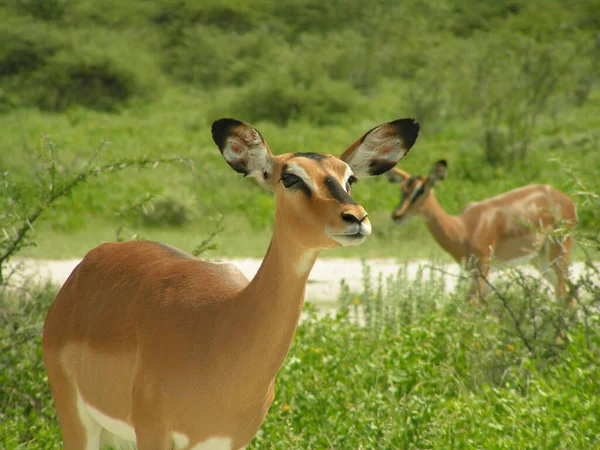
x=519, y=225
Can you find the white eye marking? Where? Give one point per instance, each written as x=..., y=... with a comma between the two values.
x=415, y=191
x=347, y=176
x=300, y=172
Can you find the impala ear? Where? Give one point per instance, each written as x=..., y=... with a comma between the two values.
x=244, y=148
x=438, y=171
x=396, y=175
x=381, y=148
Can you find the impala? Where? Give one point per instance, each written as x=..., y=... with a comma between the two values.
x=512, y=227
x=152, y=345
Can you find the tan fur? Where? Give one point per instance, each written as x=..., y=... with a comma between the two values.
x=165, y=343
x=507, y=227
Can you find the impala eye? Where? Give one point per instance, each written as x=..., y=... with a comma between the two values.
x=350, y=182
x=289, y=179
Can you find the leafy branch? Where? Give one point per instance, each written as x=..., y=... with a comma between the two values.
x=53, y=189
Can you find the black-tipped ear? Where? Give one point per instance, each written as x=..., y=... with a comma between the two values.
x=408, y=130
x=221, y=128
x=244, y=148
x=439, y=170
x=381, y=148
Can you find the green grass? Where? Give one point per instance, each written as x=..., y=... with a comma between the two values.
x=178, y=125
x=138, y=79
x=424, y=371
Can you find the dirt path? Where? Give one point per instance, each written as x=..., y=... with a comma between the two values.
x=324, y=281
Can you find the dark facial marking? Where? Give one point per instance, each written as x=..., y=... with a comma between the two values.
x=412, y=180
x=379, y=166
x=310, y=155
x=407, y=193
x=338, y=191
x=300, y=185
x=420, y=191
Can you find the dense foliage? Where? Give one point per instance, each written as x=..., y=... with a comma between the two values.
x=506, y=92
x=406, y=366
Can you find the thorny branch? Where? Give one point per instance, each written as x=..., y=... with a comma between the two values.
x=11, y=244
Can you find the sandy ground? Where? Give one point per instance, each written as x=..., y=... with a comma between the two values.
x=324, y=281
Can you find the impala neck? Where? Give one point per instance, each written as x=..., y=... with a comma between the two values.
x=447, y=230
x=275, y=296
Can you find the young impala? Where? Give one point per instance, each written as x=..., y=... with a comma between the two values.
x=513, y=226
x=155, y=346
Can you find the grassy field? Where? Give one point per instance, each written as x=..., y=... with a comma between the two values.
x=422, y=371
x=507, y=94
x=176, y=126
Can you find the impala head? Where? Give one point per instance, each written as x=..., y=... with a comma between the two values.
x=313, y=190
x=414, y=190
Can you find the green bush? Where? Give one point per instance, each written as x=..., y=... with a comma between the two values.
x=208, y=56
x=168, y=211
x=50, y=10
x=52, y=69
x=279, y=98
x=26, y=46
x=27, y=414
x=296, y=82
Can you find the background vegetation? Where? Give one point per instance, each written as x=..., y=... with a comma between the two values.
x=105, y=111
x=507, y=92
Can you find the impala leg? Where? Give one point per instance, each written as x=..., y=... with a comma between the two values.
x=560, y=252
x=480, y=270
x=150, y=434
x=147, y=441
x=79, y=430
x=150, y=428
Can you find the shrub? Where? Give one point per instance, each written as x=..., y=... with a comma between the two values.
x=210, y=56
x=23, y=202
x=50, y=10
x=295, y=82
x=27, y=414
x=166, y=211
x=94, y=68
x=26, y=46
x=277, y=97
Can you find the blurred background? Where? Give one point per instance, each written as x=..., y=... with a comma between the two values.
x=506, y=91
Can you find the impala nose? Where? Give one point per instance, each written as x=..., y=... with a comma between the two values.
x=351, y=218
